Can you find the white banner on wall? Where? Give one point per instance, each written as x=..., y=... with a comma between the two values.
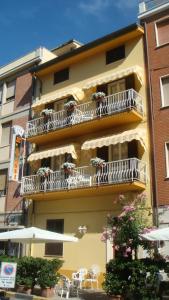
x=17, y=152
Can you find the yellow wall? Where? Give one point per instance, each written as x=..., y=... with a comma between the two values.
x=89, y=211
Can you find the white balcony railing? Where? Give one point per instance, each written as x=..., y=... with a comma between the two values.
x=115, y=172
x=112, y=104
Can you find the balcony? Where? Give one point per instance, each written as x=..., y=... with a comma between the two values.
x=117, y=109
x=116, y=176
x=148, y=5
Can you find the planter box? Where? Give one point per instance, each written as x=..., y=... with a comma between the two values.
x=48, y=292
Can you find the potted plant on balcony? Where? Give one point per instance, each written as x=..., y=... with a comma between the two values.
x=98, y=96
x=44, y=171
x=46, y=112
x=97, y=162
x=70, y=105
x=68, y=167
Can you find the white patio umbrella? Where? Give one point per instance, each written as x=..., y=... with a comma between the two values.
x=161, y=234
x=35, y=235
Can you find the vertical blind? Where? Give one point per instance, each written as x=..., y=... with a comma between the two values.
x=6, y=130
x=3, y=179
x=163, y=32
x=165, y=91
x=10, y=90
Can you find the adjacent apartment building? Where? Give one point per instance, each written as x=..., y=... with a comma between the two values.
x=154, y=17
x=15, y=103
x=90, y=101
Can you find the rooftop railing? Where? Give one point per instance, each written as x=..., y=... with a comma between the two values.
x=115, y=172
x=112, y=104
x=148, y=5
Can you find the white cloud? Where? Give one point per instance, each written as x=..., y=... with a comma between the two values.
x=121, y=4
x=97, y=7
x=94, y=7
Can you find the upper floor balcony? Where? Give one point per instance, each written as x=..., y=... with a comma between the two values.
x=116, y=109
x=115, y=176
x=150, y=5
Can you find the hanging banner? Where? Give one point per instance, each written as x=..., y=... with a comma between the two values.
x=17, y=152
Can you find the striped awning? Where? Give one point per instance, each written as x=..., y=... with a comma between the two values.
x=53, y=152
x=77, y=94
x=126, y=136
x=111, y=76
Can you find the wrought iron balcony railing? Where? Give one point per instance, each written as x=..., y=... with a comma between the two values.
x=115, y=172
x=112, y=104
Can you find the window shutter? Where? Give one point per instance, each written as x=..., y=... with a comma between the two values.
x=165, y=92
x=55, y=248
x=3, y=180
x=10, y=90
x=163, y=32
x=6, y=133
x=1, y=89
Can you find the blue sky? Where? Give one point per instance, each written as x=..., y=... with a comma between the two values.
x=26, y=25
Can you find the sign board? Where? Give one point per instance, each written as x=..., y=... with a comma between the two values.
x=8, y=275
x=17, y=153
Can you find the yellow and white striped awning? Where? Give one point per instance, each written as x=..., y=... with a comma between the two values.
x=126, y=136
x=53, y=152
x=77, y=94
x=111, y=76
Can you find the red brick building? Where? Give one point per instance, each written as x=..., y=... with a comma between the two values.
x=154, y=16
x=15, y=101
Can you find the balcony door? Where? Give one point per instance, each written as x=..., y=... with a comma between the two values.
x=116, y=87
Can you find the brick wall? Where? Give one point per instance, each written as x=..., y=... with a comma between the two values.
x=23, y=93
x=159, y=66
x=23, y=97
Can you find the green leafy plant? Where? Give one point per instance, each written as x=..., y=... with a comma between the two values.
x=97, y=162
x=98, y=96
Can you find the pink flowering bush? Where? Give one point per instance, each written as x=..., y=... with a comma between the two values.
x=124, y=230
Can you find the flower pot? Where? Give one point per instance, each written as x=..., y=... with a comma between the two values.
x=20, y=288
x=68, y=171
x=115, y=297
x=47, y=292
x=27, y=291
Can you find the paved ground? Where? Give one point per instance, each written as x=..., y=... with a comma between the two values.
x=87, y=295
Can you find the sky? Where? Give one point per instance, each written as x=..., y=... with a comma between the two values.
x=27, y=24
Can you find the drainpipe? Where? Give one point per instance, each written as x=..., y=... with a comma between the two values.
x=151, y=133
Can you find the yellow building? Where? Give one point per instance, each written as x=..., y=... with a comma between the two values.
x=113, y=128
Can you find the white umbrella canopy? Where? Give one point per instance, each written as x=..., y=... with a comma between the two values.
x=161, y=234
x=35, y=235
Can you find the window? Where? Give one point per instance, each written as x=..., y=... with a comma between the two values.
x=1, y=90
x=61, y=76
x=54, y=248
x=167, y=158
x=6, y=134
x=10, y=94
x=115, y=54
x=162, y=32
x=3, y=181
x=165, y=91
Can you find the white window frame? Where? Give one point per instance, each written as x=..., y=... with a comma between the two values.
x=156, y=31
x=167, y=159
x=161, y=91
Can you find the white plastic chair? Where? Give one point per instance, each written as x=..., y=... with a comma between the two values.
x=93, y=272
x=79, y=277
x=64, y=286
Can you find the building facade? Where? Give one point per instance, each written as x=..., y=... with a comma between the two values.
x=154, y=16
x=90, y=102
x=15, y=102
